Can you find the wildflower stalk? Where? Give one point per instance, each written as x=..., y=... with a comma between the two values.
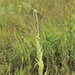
x=38, y=46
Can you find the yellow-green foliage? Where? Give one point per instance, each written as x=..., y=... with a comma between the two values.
x=20, y=50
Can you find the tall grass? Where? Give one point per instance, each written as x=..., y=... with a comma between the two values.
x=20, y=50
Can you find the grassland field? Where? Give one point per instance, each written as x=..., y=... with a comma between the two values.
x=37, y=37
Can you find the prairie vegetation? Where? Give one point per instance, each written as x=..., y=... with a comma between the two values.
x=41, y=43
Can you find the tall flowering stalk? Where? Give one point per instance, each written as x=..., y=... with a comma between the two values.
x=38, y=46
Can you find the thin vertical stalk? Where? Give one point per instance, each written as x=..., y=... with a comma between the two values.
x=38, y=46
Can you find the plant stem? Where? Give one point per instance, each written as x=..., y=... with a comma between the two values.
x=38, y=46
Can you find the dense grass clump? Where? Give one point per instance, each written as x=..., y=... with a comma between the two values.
x=41, y=44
